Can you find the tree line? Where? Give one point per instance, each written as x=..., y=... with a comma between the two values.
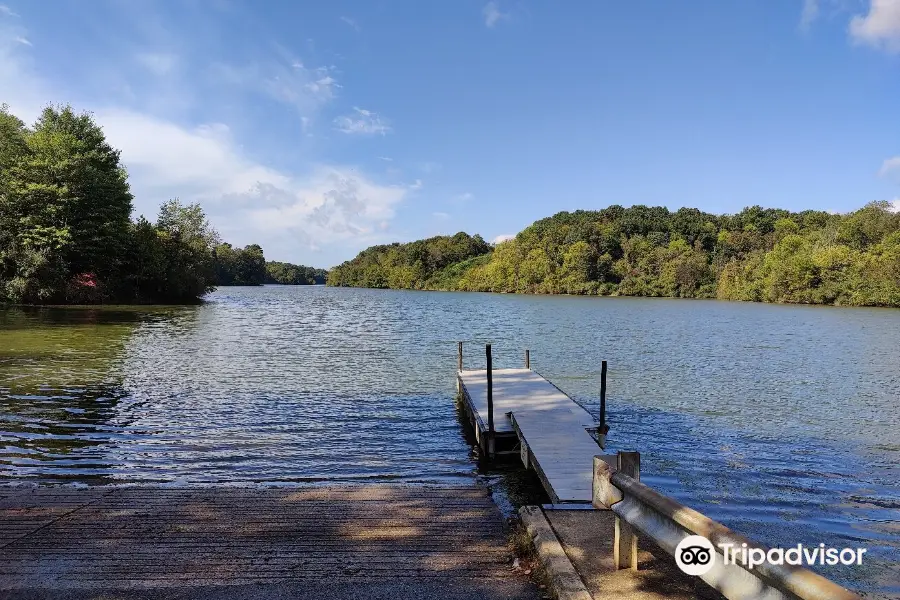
x=432, y=264
x=67, y=236
x=248, y=266
x=759, y=254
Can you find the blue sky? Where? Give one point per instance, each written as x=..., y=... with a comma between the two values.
x=317, y=129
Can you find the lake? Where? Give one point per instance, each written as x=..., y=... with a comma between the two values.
x=783, y=422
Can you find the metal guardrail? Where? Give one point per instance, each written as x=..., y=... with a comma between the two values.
x=668, y=522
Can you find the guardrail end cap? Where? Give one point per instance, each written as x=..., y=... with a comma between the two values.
x=605, y=494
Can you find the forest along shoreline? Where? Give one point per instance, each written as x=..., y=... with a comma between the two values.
x=759, y=254
x=67, y=237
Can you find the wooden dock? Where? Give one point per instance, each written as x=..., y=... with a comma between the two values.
x=536, y=420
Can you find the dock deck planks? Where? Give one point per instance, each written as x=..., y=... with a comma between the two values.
x=549, y=423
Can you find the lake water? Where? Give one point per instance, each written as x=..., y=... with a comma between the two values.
x=783, y=422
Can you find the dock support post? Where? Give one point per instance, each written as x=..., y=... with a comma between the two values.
x=490, y=402
x=527, y=358
x=602, y=429
x=625, y=542
x=458, y=368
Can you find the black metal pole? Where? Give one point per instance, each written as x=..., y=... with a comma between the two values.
x=527, y=359
x=459, y=356
x=603, y=428
x=490, y=390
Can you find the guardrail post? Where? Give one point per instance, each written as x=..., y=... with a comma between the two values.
x=490, y=402
x=602, y=428
x=625, y=543
x=668, y=523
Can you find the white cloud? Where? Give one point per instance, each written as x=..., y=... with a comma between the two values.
x=386, y=158
x=288, y=82
x=7, y=11
x=492, y=14
x=880, y=27
x=363, y=122
x=895, y=205
x=430, y=167
x=157, y=63
x=324, y=86
x=810, y=13
x=351, y=23
x=247, y=200
x=889, y=167
x=440, y=215
x=331, y=204
x=24, y=41
x=464, y=197
x=202, y=162
x=505, y=237
x=416, y=185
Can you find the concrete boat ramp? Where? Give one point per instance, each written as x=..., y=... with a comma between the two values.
x=365, y=542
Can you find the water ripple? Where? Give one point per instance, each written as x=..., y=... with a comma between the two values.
x=781, y=422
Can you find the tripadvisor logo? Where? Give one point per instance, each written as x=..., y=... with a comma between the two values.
x=695, y=555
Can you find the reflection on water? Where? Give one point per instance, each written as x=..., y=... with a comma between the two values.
x=780, y=421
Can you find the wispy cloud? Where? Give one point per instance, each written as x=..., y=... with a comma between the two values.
x=7, y=11
x=505, y=237
x=158, y=63
x=386, y=158
x=21, y=40
x=25, y=94
x=464, y=197
x=890, y=167
x=895, y=205
x=362, y=122
x=416, y=185
x=809, y=14
x=440, y=215
x=880, y=27
x=352, y=23
x=290, y=82
x=492, y=13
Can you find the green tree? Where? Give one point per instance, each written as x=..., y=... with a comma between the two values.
x=251, y=265
x=290, y=274
x=409, y=266
x=579, y=268
x=759, y=254
x=187, y=223
x=65, y=206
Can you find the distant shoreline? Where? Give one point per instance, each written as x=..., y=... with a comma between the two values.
x=758, y=255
